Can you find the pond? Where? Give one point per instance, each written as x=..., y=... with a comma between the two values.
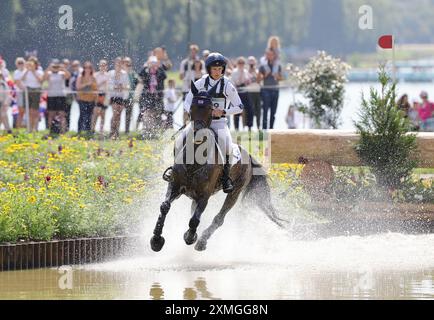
x=248, y=258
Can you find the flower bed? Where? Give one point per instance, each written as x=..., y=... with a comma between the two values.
x=71, y=187
x=353, y=204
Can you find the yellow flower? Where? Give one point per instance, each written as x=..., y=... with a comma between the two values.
x=6, y=208
x=427, y=183
x=32, y=199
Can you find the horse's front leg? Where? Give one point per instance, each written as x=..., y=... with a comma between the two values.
x=157, y=241
x=197, y=208
x=231, y=200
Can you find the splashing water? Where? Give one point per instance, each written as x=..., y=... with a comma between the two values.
x=248, y=258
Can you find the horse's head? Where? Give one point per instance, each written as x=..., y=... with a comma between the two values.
x=201, y=110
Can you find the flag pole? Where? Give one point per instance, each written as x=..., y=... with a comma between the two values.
x=393, y=59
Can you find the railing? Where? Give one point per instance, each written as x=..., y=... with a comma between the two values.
x=35, y=255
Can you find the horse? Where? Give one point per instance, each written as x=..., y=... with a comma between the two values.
x=200, y=180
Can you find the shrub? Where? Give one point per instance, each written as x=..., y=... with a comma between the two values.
x=384, y=144
x=322, y=83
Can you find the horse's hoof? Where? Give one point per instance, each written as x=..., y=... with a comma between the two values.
x=190, y=238
x=157, y=243
x=200, y=246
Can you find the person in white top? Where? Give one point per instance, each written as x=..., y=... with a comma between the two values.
x=170, y=98
x=240, y=77
x=226, y=102
x=18, y=74
x=4, y=103
x=188, y=73
x=102, y=81
x=32, y=81
x=56, y=75
x=4, y=70
x=119, y=85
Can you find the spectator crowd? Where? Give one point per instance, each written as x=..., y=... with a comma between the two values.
x=49, y=93
x=420, y=114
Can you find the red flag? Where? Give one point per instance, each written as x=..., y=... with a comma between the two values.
x=386, y=42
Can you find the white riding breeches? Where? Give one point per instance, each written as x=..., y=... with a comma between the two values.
x=223, y=134
x=224, y=138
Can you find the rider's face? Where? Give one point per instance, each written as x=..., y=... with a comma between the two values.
x=216, y=72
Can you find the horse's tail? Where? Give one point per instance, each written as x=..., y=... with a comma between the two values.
x=258, y=192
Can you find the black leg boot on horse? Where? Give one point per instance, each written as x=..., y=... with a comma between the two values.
x=197, y=208
x=157, y=241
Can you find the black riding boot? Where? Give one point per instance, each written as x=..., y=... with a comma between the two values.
x=226, y=180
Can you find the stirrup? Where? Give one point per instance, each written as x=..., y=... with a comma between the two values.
x=167, y=175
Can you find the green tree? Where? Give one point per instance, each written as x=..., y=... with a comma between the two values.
x=385, y=145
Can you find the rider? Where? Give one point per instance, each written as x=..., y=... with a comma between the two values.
x=226, y=102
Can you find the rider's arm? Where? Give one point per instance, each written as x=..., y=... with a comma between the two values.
x=235, y=106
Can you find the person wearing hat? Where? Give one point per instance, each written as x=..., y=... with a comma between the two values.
x=226, y=102
x=152, y=98
x=56, y=75
x=205, y=54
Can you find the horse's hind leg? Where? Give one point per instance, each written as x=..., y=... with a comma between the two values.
x=157, y=241
x=197, y=208
x=218, y=220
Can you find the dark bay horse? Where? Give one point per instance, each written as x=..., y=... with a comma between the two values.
x=199, y=180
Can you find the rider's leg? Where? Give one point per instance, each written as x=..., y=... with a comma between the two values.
x=225, y=143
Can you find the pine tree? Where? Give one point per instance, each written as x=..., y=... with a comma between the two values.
x=385, y=145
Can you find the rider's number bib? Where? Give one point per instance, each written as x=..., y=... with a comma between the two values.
x=219, y=103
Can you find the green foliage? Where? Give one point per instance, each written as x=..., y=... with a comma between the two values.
x=70, y=187
x=384, y=144
x=322, y=83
